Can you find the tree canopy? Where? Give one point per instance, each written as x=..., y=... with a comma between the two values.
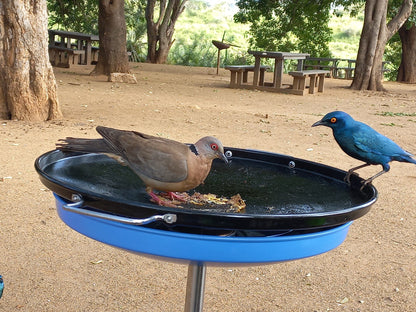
x=78, y=15
x=161, y=17
x=302, y=26
x=287, y=25
x=82, y=16
x=377, y=31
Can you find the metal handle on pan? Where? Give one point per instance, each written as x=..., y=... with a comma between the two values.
x=78, y=202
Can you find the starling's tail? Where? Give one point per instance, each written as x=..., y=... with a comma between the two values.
x=408, y=158
x=412, y=160
x=83, y=145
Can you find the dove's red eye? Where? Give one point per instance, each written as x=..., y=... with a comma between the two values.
x=214, y=146
x=333, y=120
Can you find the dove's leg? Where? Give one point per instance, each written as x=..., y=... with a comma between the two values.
x=183, y=197
x=351, y=171
x=173, y=195
x=157, y=200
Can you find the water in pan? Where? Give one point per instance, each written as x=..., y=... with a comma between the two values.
x=267, y=188
x=275, y=189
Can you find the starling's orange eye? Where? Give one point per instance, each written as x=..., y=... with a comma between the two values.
x=214, y=146
x=333, y=120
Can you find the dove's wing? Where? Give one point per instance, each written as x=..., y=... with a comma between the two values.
x=157, y=158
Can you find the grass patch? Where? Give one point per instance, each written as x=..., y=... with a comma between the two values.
x=391, y=114
x=392, y=124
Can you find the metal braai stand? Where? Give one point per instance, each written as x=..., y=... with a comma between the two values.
x=100, y=199
x=196, y=250
x=195, y=287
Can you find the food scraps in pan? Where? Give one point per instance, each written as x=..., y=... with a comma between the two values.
x=209, y=202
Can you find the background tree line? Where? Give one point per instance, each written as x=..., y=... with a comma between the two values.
x=199, y=24
x=291, y=25
x=264, y=24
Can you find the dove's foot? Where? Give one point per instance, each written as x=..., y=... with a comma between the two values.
x=160, y=201
x=183, y=197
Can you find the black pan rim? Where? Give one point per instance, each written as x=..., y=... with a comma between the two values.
x=97, y=201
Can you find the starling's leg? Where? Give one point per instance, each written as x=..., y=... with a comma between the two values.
x=369, y=180
x=350, y=172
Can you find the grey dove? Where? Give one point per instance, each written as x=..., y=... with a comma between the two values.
x=163, y=164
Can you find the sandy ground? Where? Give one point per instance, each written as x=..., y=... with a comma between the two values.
x=49, y=267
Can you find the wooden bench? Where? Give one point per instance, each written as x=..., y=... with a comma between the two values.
x=64, y=57
x=345, y=72
x=239, y=74
x=317, y=77
x=349, y=71
x=94, y=55
x=321, y=63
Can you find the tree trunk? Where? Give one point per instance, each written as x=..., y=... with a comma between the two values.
x=160, y=31
x=27, y=84
x=407, y=68
x=374, y=37
x=112, y=57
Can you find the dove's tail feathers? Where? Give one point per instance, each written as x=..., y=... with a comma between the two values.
x=83, y=145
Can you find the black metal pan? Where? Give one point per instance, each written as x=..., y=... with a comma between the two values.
x=281, y=192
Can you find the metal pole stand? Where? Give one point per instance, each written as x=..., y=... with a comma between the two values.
x=195, y=287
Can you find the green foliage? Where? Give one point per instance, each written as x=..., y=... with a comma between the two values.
x=82, y=16
x=313, y=27
x=392, y=124
x=346, y=33
x=136, y=27
x=394, y=8
x=392, y=54
x=194, y=50
x=391, y=114
x=296, y=26
x=198, y=25
x=394, y=47
x=75, y=15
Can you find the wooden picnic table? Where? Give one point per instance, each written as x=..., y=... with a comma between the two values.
x=279, y=58
x=82, y=42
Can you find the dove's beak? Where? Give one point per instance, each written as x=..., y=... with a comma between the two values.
x=223, y=157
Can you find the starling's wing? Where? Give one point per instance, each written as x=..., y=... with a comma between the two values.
x=369, y=140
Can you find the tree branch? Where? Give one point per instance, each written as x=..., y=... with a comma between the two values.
x=397, y=21
x=162, y=14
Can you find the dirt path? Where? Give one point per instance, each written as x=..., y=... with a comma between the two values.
x=49, y=267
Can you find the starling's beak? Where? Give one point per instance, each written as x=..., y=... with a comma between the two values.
x=318, y=123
